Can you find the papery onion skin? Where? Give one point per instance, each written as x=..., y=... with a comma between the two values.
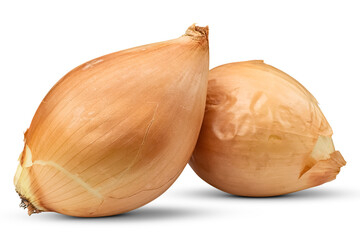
x=114, y=133
x=263, y=133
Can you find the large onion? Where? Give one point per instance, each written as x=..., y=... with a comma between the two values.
x=115, y=132
x=263, y=133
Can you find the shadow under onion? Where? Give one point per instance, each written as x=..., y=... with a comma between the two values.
x=313, y=193
x=141, y=214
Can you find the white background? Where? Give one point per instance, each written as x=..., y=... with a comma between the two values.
x=317, y=42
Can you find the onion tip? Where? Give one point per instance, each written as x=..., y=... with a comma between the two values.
x=324, y=170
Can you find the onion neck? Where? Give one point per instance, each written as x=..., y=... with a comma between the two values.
x=197, y=32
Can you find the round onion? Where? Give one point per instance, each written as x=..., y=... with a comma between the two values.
x=263, y=133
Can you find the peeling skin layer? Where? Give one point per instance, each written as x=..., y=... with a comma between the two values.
x=323, y=148
x=324, y=163
x=263, y=133
x=324, y=170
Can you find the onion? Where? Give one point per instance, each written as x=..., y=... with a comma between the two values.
x=263, y=133
x=114, y=133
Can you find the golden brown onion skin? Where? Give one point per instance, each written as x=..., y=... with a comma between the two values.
x=116, y=132
x=259, y=133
